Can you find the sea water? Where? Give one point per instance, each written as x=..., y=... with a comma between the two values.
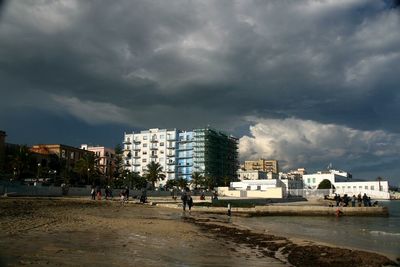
x=378, y=234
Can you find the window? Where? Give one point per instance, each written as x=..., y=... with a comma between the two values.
x=72, y=155
x=136, y=154
x=144, y=152
x=313, y=180
x=372, y=187
x=354, y=187
x=161, y=159
x=308, y=180
x=360, y=187
x=348, y=187
x=145, y=137
x=161, y=143
x=161, y=152
x=366, y=187
x=161, y=136
x=144, y=145
x=144, y=160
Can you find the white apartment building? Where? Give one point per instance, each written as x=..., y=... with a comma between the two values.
x=157, y=145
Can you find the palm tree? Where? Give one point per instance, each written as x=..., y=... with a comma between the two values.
x=154, y=173
x=21, y=161
x=182, y=182
x=197, y=179
x=86, y=167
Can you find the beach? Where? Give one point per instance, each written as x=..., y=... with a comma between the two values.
x=79, y=232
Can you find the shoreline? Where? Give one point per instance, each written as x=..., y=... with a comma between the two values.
x=293, y=250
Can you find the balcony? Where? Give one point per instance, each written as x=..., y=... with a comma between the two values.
x=136, y=164
x=171, y=138
x=136, y=157
x=185, y=156
x=127, y=142
x=170, y=171
x=136, y=148
x=171, y=163
x=153, y=156
x=185, y=140
x=182, y=148
x=153, y=140
x=153, y=148
x=136, y=142
x=171, y=155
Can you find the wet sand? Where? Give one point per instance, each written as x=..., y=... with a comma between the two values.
x=75, y=232
x=61, y=232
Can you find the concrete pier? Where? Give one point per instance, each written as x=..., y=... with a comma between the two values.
x=287, y=210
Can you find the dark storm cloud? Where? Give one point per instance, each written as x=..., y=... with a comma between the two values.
x=192, y=63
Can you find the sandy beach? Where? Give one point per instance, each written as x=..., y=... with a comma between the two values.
x=77, y=232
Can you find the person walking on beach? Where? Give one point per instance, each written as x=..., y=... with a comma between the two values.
x=365, y=200
x=127, y=193
x=359, y=199
x=184, y=199
x=98, y=193
x=93, y=193
x=189, y=202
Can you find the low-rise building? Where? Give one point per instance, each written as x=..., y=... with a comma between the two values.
x=312, y=181
x=262, y=165
x=67, y=154
x=251, y=175
x=105, y=158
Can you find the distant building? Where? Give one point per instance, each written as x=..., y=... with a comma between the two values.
x=343, y=184
x=68, y=154
x=105, y=158
x=313, y=180
x=293, y=174
x=262, y=165
x=157, y=145
x=251, y=175
x=180, y=153
x=2, y=149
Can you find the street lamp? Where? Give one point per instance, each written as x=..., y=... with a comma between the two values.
x=38, y=171
x=88, y=174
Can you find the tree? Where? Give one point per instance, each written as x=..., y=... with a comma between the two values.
x=325, y=184
x=22, y=162
x=119, y=162
x=154, y=173
x=209, y=182
x=170, y=184
x=182, y=182
x=134, y=180
x=87, y=169
x=197, y=180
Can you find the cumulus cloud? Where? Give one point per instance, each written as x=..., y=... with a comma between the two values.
x=303, y=143
x=192, y=63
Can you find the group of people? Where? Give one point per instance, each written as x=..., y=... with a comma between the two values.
x=95, y=192
x=187, y=199
x=360, y=200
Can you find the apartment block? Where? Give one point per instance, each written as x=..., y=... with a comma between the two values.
x=157, y=145
x=262, y=165
x=180, y=153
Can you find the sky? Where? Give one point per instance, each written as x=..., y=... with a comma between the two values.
x=309, y=83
